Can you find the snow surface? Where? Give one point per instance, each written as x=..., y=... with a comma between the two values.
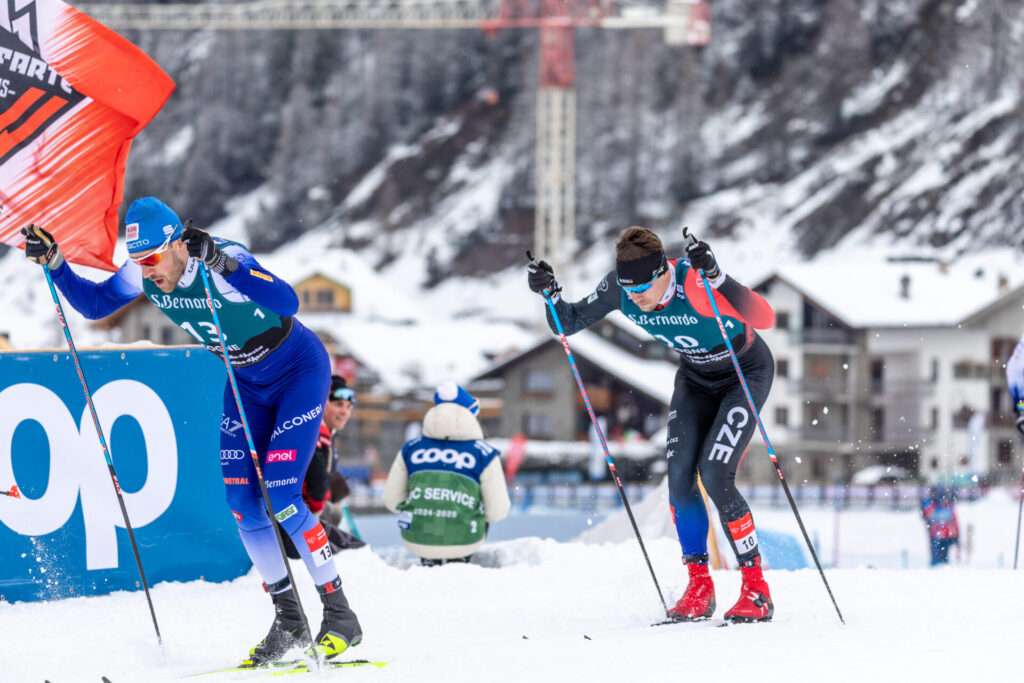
x=535, y=609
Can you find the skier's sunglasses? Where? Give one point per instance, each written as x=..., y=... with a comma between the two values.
x=156, y=256
x=640, y=289
x=343, y=394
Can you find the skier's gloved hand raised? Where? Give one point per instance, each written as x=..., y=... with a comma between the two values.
x=701, y=257
x=201, y=246
x=541, y=277
x=41, y=248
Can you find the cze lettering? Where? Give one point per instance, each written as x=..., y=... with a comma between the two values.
x=77, y=468
x=448, y=456
x=738, y=418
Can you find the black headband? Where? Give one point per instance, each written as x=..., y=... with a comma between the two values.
x=632, y=273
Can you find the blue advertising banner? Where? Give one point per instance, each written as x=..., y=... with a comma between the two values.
x=160, y=413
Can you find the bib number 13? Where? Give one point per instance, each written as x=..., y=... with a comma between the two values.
x=207, y=327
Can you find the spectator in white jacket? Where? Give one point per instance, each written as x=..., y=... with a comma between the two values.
x=448, y=484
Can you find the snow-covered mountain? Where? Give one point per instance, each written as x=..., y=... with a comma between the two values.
x=806, y=128
x=821, y=120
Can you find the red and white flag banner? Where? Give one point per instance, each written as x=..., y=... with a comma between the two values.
x=73, y=94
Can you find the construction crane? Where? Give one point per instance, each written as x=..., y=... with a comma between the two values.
x=684, y=22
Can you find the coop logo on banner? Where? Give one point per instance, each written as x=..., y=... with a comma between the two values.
x=77, y=468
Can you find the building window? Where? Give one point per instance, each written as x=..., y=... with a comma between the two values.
x=306, y=298
x=538, y=426
x=962, y=416
x=782, y=321
x=965, y=369
x=935, y=370
x=782, y=416
x=167, y=335
x=325, y=298
x=996, y=403
x=1004, y=453
x=877, y=424
x=935, y=419
x=877, y=375
x=782, y=367
x=536, y=381
x=818, y=469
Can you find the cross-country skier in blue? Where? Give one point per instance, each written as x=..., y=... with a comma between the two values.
x=283, y=375
x=709, y=423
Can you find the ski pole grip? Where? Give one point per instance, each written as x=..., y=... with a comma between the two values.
x=689, y=239
x=547, y=293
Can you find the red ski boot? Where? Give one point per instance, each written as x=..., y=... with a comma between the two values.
x=698, y=601
x=755, y=603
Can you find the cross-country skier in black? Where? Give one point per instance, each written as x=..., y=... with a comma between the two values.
x=709, y=422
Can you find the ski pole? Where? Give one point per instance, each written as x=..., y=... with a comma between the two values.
x=600, y=436
x=347, y=514
x=13, y=493
x=103, y=444
x=688, y=236
x=1020, y=508
x=252, y=450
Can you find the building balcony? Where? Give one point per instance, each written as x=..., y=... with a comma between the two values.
x=901, y=388
x=827, y=386
x=827, y=335
x=820, y=437
x=825, y=435
x=898, y=438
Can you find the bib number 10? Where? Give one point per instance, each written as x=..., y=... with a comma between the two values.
x=680, y=342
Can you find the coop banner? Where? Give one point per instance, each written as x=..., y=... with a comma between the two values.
x=73, y=94
x=65, y=535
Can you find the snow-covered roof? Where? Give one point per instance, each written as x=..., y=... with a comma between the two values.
x=656, y=378
x=866, y=292
x=408, y=356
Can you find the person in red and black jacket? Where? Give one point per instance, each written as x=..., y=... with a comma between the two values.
x=709, y=422
x=323, y=486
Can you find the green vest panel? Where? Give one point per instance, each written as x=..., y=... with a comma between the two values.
x=251, y=331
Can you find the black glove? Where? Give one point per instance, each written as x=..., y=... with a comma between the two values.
x=701, y=257
x=541, y=277
x=41, y=248
x=201, y=246
x=1020, y=422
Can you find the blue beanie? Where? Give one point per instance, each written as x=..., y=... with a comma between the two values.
x=148, y=223
x=450, y=392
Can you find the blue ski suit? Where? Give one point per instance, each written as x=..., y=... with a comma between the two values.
x=283, y=374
